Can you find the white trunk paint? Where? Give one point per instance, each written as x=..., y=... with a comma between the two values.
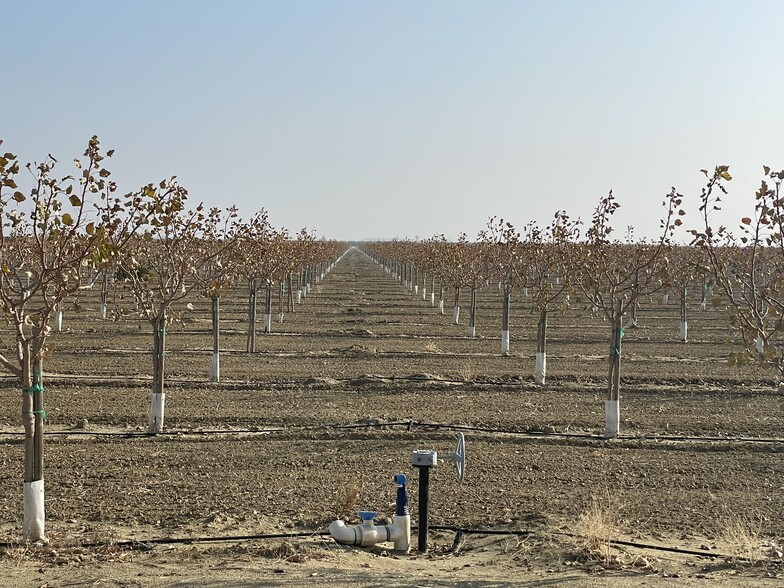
x=215, y=368
x=157, y=408
x=683, y=331
x=631, y=323
x=456, y=315
x=612, y=418
x=280, y=317
x=34, y=513
x=525, y=291
x=441, y=306
x=759, y=344
x=472, y=331
x=102, y=311
x=416, y=289
x=540, y=370
x=703, y=304
x=504, y=342
x=267, y=323
x=432, y=299
x=299, y=296
x=58, y=321
x=665, y=298
x=424, y=293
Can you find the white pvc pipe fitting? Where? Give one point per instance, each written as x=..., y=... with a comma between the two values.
x=367, y=534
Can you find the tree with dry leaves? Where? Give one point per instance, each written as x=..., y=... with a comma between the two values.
x=47, y=232
x=612, y=274
x=748, y=267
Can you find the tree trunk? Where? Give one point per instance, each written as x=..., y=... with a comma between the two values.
x=215, y=370
x=250, y=345
x=158, y=399
x=281, y=293
x=58, y=318
x=290, y=293
x=540, y=370
x=612, y=404
x=505, y=321
x=472, y=312
x=684, y=328
x=104, y=301
x=268, y=308
x=456, y=307
x=33, y=422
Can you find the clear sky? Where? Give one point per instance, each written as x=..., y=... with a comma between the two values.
x=382, y=119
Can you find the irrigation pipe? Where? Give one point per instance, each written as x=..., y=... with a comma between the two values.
x=409, y=424
x=459, y=531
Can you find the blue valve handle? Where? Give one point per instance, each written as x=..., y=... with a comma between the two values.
x=367, y=515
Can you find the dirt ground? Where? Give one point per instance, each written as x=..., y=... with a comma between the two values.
x=314, y=424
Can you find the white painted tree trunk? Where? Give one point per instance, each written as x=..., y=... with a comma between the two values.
x=665, y=298
x=215, y=368
x=58, y=321
x=33, y=527
x=432, y=299
x=612, y=418
x=424, y=293
x=525, y=291
x=280, y=317
x=416, y=289
x=683, y=331
x=267, y=323
x=759, y=344
x=102, y=311
x=299, y=296
x=157, y=408
x=504, y=342
x=441, y=306
x=472, y=332
x=540, y=370
x=456, y=315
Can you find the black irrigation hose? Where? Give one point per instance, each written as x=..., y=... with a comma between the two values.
x=524, y=533
x=410, y=424
x=459, y=532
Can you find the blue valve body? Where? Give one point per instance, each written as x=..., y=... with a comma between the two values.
x=401, y=500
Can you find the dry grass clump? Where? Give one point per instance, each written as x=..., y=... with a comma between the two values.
x=466, y=371
x=741, y=536
x=597, y=527
x=348, y=502
x=432, y=346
